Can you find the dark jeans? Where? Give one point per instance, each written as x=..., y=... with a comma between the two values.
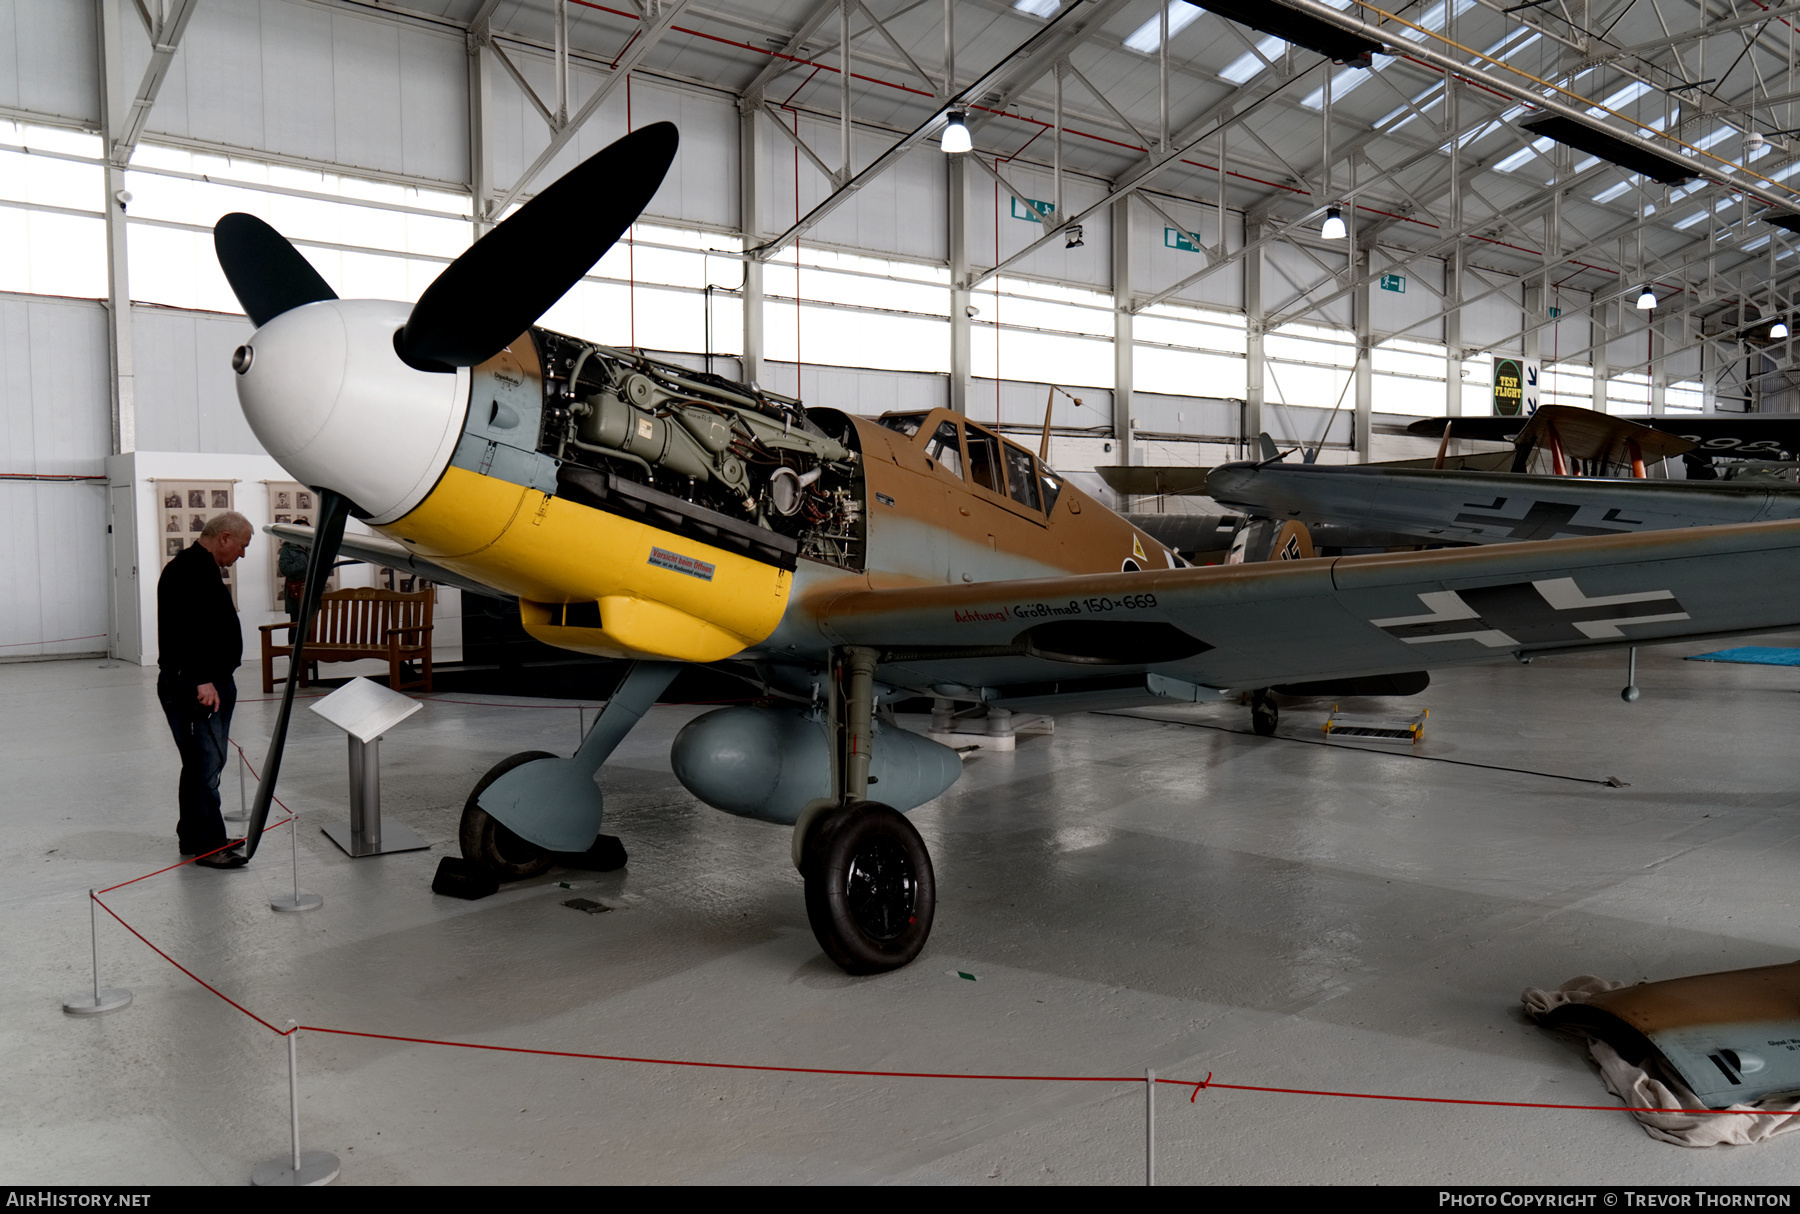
x=202, y=736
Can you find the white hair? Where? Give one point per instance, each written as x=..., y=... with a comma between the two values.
x=230, y=521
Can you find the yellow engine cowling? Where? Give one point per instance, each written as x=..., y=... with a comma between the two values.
x=592, y=581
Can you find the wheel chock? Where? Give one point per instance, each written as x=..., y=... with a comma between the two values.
x=457, y=878
x=604, y=856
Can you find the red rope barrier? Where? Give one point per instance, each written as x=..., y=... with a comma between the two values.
x=184, y=969
x=1198, y=1086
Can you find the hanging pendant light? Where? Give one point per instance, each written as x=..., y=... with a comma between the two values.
x=956, y=135
x=1333, y=227
x=1647, y=300
x=1778, y=330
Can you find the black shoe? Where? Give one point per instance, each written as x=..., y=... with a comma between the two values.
x=231, y=857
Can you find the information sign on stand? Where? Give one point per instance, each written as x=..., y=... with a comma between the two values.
x=365, y=711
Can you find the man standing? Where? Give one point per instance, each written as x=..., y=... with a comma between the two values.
x=199, y=646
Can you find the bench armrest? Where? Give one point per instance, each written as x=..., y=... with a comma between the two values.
x=415, y=628
x=289, y=624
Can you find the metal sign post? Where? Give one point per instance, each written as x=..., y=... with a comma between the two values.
x=365, y=711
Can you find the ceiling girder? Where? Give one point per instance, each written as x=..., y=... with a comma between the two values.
x=165, y=39
x=976, y=88
x=650, y=32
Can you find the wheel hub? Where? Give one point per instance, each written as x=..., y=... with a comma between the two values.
x=881, y=889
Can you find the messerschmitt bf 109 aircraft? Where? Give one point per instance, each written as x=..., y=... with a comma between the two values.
x=643, y=511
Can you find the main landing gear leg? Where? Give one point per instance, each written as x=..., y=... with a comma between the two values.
x=533, y=809
x=870, y=892
x=1264, y=715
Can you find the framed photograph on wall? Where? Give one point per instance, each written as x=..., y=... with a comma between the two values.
x=290, y=502
x=186, y=508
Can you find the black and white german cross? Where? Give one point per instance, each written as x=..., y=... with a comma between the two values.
x=1542, y=521
x=1529, y=613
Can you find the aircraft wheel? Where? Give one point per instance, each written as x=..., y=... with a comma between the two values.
x=1264, y=715
x=487, y=843
x=870, y=892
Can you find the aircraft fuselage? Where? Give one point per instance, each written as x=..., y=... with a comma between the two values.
x=658, y=546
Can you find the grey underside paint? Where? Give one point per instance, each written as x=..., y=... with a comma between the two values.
x=1298, y=621
x=1489, y=507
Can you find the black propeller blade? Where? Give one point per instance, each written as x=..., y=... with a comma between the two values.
x=267, y=274
x=513, y=275
x=334, y=508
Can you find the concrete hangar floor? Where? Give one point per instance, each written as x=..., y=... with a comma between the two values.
x=1130, y=893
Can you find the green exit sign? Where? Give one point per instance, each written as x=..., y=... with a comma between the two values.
x=1187, y=242
x=1555, y=312
x=1394, y=282
x=1032, y=211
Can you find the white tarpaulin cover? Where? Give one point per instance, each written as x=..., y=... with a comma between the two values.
x=1646, y=1092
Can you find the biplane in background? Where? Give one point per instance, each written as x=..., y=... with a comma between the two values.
x=646, y=511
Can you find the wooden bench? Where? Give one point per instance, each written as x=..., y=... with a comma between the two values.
x=356, y=624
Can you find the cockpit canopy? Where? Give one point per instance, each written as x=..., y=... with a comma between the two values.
x=981, y=457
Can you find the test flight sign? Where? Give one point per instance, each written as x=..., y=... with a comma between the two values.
x=1515, y=385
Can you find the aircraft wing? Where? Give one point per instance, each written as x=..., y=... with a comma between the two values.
x=379, y=550
x=1491, y=507
x=1247, y=626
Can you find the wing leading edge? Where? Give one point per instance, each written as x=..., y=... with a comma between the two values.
x=1246, y=626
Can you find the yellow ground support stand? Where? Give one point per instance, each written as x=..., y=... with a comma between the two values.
x=1380, y=729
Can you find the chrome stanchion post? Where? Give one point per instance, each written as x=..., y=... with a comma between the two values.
x=580, y=725
x=299, y=901
x=310, y=1168
x=112, y=998
x=1149, y=1127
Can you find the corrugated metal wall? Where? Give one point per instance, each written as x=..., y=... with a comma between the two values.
x=57, y=421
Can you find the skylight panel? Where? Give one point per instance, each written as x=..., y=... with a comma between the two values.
x=1587, y=164
x=1245, y=65
x=1468, y=137
x=1612, y=192
x=1342, y=82
x=1423, y=102
x=1524, y=155
x=1351, y=78
x=1039, y=8
x=1148, y=37
x=1494, y=50
x=1754, y=245
x=1620, y=99
x=1681, y=225
x=1709, y=140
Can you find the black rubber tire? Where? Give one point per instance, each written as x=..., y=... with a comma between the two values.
x=487, y=843
x=870, y=891
x=1264, y=715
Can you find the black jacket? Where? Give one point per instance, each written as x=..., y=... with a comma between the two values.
x=197, y=634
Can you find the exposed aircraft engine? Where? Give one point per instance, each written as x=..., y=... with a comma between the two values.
x=769, y=762
x=753, y=456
